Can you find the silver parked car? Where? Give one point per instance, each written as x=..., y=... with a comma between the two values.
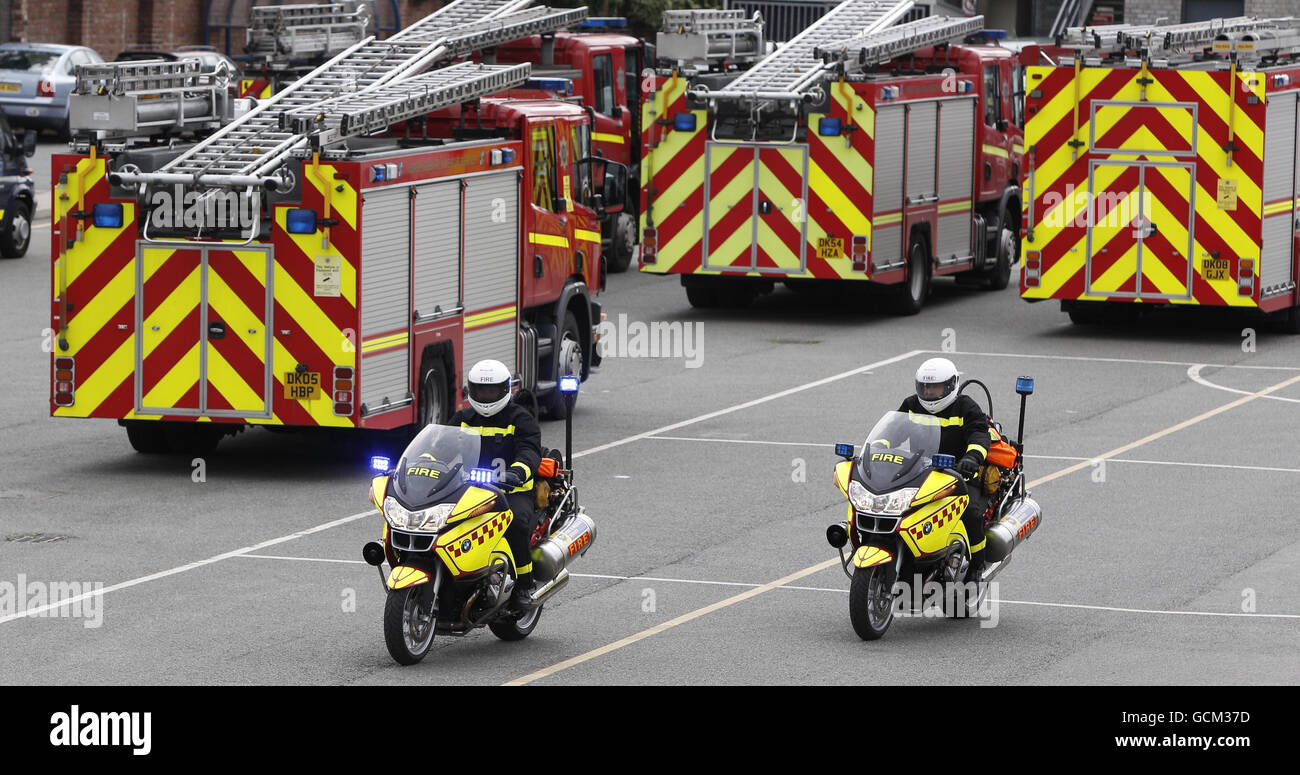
x=35, y=79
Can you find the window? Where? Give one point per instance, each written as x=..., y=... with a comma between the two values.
x=1018, y=96
x=544, y=167
x=582, y=150
x=992, y=96
x=602, y=68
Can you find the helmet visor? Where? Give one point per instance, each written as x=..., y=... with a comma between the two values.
x=489, y=393
x=933, y=391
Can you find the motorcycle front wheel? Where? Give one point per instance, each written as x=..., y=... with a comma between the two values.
x=408, y=625
x=871, y=602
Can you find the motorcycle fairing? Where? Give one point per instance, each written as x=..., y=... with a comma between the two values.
x=467, y=546
x=928, y=530
x=843, y=473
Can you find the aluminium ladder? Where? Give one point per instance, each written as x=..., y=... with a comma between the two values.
x=251, y=150
x=705, y=36
x=792, y=72
x=289, y=32
x=865, y=51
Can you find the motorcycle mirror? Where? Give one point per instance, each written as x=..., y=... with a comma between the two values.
x=844, y=450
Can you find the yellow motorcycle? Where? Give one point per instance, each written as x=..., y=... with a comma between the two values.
x=444, y=540
x=908, y=546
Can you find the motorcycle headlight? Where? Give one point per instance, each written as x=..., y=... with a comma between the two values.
x=889, y=504
x=431, y=519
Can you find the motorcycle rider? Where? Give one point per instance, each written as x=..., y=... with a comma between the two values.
x=512, y=440
x=963, y=433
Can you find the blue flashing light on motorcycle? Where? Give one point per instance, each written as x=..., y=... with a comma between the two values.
x=569, y=384
x=844, y=450
x=380, y=463
x=1025, y=386
x=481, y=475
x=944, y=461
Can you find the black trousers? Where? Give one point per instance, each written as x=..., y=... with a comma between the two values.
x=973, y=518
x=520, y=532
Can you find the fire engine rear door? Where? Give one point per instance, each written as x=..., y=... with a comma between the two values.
x=1140, y=229
x=780, y=214
x=1167, y=225
x=730, y=199
x=169, y=319
x=236, y=354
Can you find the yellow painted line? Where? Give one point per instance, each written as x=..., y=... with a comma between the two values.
x=548, y=239
x=993, y=150
x=587, y=235
x=606, y=137
x=1278, y=207
x=771, y=585
x=385, y=342
x=486, y=318
x=954, y=207
x=886, y=220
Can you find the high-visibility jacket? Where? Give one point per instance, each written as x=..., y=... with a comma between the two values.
x=512, y=436
x=963, y=426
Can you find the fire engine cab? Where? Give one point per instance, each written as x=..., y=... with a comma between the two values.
x=892, y=156
x=307, y=265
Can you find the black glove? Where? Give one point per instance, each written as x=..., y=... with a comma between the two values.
x=968, y=466
x=510, y=480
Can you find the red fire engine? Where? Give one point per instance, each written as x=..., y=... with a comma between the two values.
x=891, y=157
x=304, y=267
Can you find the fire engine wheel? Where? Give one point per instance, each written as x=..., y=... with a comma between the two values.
x=17, y=233
x=147, y=437
x=871, y=602
x=186, y=438
x=702, y=297
x=999, y=277
x=433, y=397
x=912, y=293
x=620, y=254
x=569, y=355
x=1291, y=321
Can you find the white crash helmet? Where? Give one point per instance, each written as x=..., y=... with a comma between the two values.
x=936, y=384
x=488, y=387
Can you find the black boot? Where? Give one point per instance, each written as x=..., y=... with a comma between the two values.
x=976, y=566
x=523, y=593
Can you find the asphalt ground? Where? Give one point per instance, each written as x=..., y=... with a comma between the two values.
x=1164, y=455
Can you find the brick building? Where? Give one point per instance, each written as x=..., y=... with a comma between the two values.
x=110, y=26
x=1034, y=18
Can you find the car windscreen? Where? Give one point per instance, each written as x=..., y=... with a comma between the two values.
x=30, y=60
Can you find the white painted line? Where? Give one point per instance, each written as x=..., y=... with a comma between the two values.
x=825, y=445
x=748, y=404
x=301, y=559
x=1039, y=603
x=183, y=568
x=1194, y=372
x=1091, y=359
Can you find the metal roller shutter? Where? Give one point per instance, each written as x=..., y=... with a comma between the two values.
x=922, y=123
x=1275, y=259
x=887, y=232
x=956, y=177
x=384, y=376
x=437, y=248
x=492, y=268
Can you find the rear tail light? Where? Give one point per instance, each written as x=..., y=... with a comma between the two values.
x=65, y=381
x=1033, y=268
x=859, y=252
x=649, y=245
x=344, y=380
x=45, y=89
x=1246, y=277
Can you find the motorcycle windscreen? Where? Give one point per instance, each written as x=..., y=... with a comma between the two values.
x=898, y=448
x=436, y=464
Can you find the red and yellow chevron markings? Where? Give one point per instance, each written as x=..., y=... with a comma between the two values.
x=1149, y=171
x=789, y=209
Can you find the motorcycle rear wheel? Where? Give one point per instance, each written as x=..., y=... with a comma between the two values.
x=871, y=602
x=409, y=624
x=510, y=628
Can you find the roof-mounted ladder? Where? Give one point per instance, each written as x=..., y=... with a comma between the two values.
x=792, y=72
x=1151, y=38
x=296, y=32
x=118, y=100
x=704, y=37
x=252, y=149
x=866, y=51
